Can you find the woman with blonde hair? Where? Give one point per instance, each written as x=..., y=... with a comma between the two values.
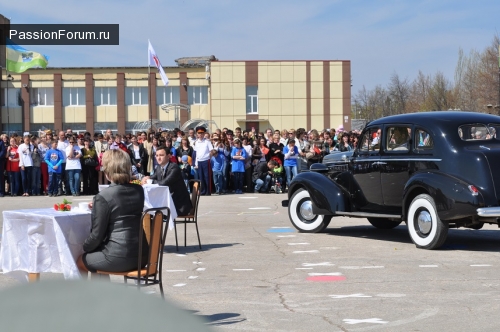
x=113, y=243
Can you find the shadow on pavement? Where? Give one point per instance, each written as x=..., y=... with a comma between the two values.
x=224, y=318
x=458, y=239
x=195, y=248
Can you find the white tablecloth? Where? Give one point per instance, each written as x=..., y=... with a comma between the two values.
x=43, y=240
x=156, y=196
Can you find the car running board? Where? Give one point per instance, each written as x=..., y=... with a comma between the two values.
x=367, y=215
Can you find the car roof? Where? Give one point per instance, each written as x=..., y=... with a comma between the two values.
x=439, y=118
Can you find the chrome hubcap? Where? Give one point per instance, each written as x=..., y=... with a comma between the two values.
x=424, y=221
x=306, y=210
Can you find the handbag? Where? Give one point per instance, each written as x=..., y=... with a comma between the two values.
x=90, y=162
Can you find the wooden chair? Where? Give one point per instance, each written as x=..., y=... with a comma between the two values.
x=192, y=217
x=151, y=274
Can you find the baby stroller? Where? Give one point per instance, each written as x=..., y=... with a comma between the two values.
x=277, y=177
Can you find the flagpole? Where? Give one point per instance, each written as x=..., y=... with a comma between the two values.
x=149, y=91
x=7, y=99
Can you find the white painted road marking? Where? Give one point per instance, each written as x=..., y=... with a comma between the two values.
x=391, y=295
x=361, y=267
x=318, y=264
x=181, y=255
x=306, y=251
x=325, y=274
x=179, y=285
x=242, y=269
x=346, y=296
x=303, y=268
x=176, y=270
x=260, y=208
x=287, y=235
x=200, y=269
x=368, y=320
x=428, y=266
x=480, y=265
x=192, y=277
x=298, y=244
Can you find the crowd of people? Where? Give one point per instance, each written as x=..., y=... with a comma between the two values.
x=225, y=161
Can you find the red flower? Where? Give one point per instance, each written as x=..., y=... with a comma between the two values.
x=56, y=207
x=61, y=206
x=68, y=207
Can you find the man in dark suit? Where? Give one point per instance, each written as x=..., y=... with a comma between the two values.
x=169, y=174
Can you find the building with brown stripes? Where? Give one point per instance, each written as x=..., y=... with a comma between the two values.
x=260, y=94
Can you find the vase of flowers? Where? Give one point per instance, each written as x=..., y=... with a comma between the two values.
x=64, y=206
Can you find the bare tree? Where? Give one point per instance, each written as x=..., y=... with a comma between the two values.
x=399, y=91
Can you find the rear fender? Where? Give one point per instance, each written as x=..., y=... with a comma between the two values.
x=452, y=196
x=327, y=197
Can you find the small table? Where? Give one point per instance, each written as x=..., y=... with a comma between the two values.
x=43, y=240
x=156, y=196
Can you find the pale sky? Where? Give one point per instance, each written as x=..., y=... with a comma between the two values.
x=378, y=37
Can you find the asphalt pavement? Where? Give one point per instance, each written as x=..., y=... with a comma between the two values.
x=255, y=272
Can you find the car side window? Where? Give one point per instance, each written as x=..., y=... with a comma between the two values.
x=423, y=140
x=398, y=138
x=370, y=140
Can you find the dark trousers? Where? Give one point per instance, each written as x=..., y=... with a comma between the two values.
x=15, y=182
x=2, y=180
x=26, y=178
x=54, y=179
x=204, y=176
x=89, y=180
x=248, y=179
x=64, y=179
x=238, y=180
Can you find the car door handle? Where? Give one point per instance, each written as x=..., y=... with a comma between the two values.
x=379, y=163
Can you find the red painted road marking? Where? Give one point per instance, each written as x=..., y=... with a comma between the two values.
x=326, y=278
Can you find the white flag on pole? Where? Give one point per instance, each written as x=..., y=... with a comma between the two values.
x=154, y=61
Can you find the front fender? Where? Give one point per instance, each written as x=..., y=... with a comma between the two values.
x=452, y=196
x=327, y=197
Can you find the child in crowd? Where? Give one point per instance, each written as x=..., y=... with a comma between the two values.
x=238, y=156
x=54, y=159
x=186, y=170
x=217, y=161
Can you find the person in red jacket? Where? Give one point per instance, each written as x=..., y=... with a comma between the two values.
x=13, y=167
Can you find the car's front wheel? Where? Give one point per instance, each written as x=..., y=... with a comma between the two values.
x=301, y=214
x=426, y=230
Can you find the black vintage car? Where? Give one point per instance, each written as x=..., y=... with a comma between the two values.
x=433, y=170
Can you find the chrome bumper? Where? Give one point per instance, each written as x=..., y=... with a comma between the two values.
x=489, y=212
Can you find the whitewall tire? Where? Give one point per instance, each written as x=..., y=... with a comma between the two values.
x=301, y=215
x=426, y=230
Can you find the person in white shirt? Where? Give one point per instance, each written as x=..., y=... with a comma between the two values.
x=202, y=149
x=62, y=144
x=73, y=166
x=26, y=164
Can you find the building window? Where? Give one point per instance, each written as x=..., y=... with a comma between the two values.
x=252, y=100
x=104, y=96
x=42, y=96
x=14, y=97
x=73, y=96
x=136, y=96
x=197, y=95
x=167, y=95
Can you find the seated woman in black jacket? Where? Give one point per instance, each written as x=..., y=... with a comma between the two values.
x=113, y=243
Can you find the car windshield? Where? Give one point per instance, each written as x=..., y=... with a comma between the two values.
x=479, y=132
